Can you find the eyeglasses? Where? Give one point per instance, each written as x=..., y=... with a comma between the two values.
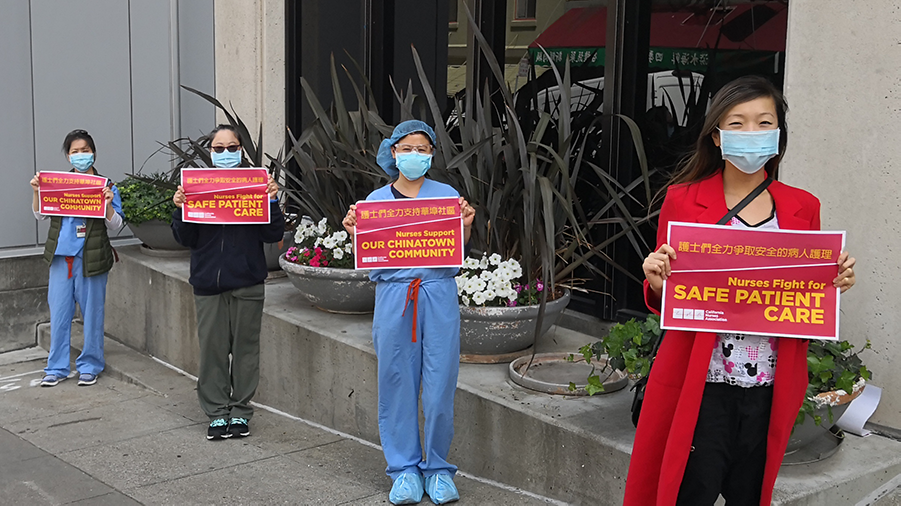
x=422, y=149
x=231, y=149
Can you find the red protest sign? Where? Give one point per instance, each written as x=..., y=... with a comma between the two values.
x=71, y=194
x=225, y=196
x=408, y=233
x=767, y=282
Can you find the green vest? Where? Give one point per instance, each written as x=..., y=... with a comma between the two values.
x=97, y=255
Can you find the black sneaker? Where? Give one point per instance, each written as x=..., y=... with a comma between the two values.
x=238, y=427
x=218, y=429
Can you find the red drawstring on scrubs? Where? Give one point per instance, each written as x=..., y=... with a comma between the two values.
x=413, y=294
x=69, y=261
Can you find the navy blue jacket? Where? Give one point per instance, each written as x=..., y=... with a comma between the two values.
x=227, y=257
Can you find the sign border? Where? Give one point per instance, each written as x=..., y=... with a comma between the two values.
x=838, y=291
x=462, y=250
x=193, y=220
x=40, y=198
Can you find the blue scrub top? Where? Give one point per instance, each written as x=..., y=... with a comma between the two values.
x=69, y=244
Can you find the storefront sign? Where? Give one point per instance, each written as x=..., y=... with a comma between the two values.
x=408, y=233
x=71, y=194
x=225, y=196
x=767, y=282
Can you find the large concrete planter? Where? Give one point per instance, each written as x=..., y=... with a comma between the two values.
x=275, y=250
x=809, y=432
x=156, y=235
x=503, y=331
x=345, y=291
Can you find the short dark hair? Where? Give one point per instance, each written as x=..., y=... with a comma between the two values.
x=75, y=135
x=223, y=126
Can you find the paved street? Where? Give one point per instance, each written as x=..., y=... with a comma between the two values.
x=141, y=440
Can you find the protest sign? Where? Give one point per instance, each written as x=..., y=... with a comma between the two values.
x=766, y=282
x=71, y=194
x=225, y=196
x=408, y=233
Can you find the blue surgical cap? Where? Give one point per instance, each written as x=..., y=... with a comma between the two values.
x=413, y=126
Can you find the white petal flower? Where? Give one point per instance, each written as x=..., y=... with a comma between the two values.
x=478, y=298
x=349, y=247
x=471, y=286
x=338, y=253
x=328, y=242
x=470, y=263
x=465, y=300
x=489, y=294
x=483, y=264
x=494, y=259
x=318, y=242
x=323, y=226
x=486, y=275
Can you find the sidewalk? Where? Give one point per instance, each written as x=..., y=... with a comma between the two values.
x=140, y=439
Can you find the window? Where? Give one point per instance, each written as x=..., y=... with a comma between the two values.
x=525, y=9
x=453, y=11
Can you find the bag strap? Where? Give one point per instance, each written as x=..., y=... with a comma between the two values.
x=725, y=219
x=745, y=201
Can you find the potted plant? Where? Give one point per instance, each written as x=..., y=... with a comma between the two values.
x=499, y=309
x=148, y=211
x=836, y=377
x=320, y=266
x=627, y=347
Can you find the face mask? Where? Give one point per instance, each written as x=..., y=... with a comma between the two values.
x=82, y=161
x=413, y=165
x=226, y=160
x=749, y=151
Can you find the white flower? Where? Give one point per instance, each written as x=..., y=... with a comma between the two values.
x=349, y=247
x=489, y=294
x=323, y=226
x=338, y=253
x=471, y=286
x=470, y=263
x=328, y=242
x=494, y=259
x=341, y=236
x=483, y=264
x=480, y=285
x=318, y=242
x=478, y=298
x=486, y=275
x=465, y=300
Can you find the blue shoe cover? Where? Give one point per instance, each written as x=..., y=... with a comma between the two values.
x=441, y=488
x=407, y=489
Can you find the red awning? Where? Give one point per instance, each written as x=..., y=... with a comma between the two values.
x=755, y=27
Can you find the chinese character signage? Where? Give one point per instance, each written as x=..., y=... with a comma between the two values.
x=71, y=194
x=408, y=233
x=225, y=196
x=767, y=282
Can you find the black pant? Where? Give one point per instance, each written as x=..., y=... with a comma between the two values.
x=728, y=453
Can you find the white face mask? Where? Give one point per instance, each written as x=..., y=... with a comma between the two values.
x=749, y=151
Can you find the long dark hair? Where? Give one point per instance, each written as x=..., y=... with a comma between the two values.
x=706, y=159
x=75, y=135
x=230, y=128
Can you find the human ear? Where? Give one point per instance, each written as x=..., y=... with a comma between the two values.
x=716, y=137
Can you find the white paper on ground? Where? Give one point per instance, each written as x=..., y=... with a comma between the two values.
x=860, y=410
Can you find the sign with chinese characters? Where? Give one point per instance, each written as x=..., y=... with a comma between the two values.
x=71, y=194
x=767, y=282
x=225, y=196
x=408, y=233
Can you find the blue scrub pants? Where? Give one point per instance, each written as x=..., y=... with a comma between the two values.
x=433, y=362
x=62, y=294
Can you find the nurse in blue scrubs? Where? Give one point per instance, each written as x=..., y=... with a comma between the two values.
x=430, y=358
x=80, y=257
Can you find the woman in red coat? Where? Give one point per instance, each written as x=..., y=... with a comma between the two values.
x=719, y=408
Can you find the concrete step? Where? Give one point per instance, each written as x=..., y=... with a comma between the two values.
x=322, y=367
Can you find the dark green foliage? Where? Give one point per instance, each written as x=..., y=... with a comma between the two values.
x=145, y=199
x=831, y=366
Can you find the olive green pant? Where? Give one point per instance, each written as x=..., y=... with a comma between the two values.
x=229, y=324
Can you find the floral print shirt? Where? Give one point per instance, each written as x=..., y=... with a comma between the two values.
x=745, y=360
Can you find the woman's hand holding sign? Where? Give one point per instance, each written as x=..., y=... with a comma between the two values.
x=179, y=198
x=657, y=267
x=350, y=220
x=469, y=214
x=845, y=278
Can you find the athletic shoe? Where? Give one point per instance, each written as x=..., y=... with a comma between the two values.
x=51, y=380
x=441, y=488
x=86, y=379
x=407, y=489
x=237, y=427
x=218, y=429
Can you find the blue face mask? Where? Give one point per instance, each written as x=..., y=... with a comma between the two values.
x=413, y=165
x=749, y=151
x=226, y=160
x=82, y=161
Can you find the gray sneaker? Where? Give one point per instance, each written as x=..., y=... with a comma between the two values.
x=51, y=380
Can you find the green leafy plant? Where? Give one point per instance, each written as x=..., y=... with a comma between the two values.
x=831, y=366
x=146, y=199
x=627, y=347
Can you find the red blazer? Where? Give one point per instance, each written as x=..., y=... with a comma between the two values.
x=673, y=396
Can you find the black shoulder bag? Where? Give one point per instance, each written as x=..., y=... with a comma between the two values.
x=642, y=383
